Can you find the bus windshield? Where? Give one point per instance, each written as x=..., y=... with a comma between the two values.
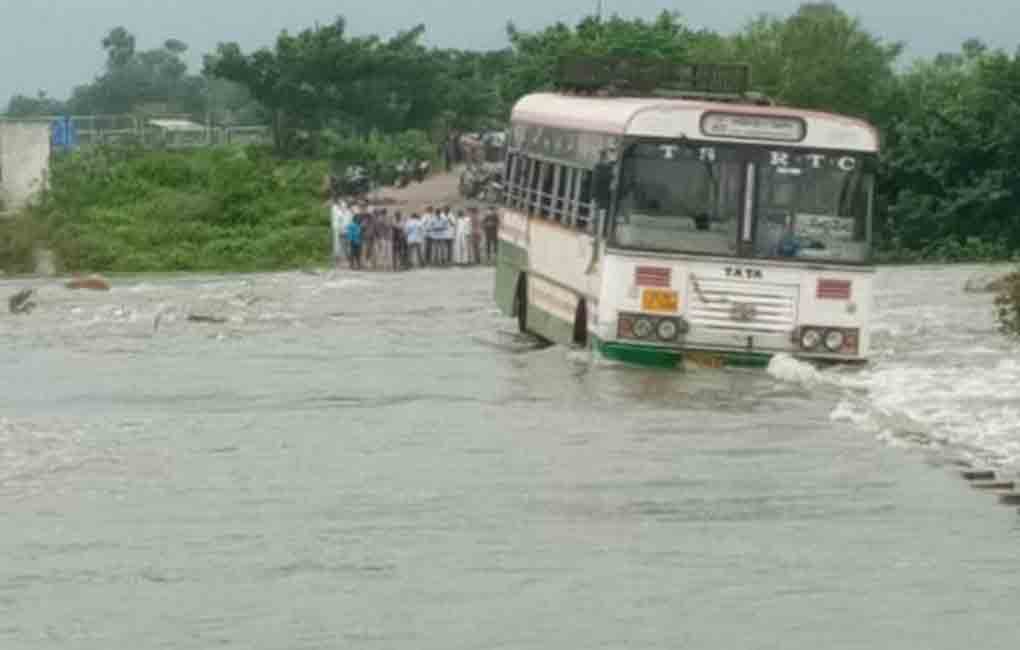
x=695, y=198
x=812, y=206
x=679, y=198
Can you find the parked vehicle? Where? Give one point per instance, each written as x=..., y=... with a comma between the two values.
x=355, y=181
x=478, y=181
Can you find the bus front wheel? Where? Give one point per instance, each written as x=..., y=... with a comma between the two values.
x=581, y=324
x=521, y=304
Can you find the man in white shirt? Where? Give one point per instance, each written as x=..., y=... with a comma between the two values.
x=340, y=217
x=428, y=225
x=415, y=239
x=447, y=233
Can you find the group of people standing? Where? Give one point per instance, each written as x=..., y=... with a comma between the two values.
x=363, y=237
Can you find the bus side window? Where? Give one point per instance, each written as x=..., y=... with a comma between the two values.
x=569, y=196
x=584, y=206
x=527, y=169
x=509, y=168
x=559, y=199
x=531, y=191
x=516, y=184
x=550, y=174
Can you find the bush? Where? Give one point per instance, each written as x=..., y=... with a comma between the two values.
x=948, y=250
x=19, y=238
x=1007, y=305
x=130, y=210
x=380, y=153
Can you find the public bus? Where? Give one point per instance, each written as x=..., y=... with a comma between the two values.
x=664, y=230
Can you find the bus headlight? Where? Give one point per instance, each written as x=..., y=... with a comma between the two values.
x=828, y=340
x=643, y=328
x=652, y=329
x=667, y=330
x=834, y=340
x=810, y=339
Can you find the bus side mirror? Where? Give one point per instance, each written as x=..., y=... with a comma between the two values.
x=602, y=183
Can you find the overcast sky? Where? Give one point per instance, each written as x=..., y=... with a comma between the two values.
x=54, y=44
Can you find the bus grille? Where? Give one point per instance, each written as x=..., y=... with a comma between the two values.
x=742, y=306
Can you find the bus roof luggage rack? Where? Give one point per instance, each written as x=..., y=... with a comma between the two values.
x=629, y=77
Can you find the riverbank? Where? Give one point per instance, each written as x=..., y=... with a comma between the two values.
x=237, y=210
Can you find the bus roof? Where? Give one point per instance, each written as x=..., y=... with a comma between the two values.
x=682, y=118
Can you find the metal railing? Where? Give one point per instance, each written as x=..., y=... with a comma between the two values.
x=93, y=130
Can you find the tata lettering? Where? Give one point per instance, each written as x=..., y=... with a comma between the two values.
x=746, y=274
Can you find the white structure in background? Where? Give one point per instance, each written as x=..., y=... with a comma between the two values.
x=174, y=132
x=24, y=161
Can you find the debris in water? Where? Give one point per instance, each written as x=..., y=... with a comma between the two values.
x=199, y=318
x=158, y=318
x=1010, y=499
x=978, y=475
x=994, y=485
x=21, y=303
x=93, y=283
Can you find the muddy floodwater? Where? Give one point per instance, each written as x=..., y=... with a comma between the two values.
x=380, y=461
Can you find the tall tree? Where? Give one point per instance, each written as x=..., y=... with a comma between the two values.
x=134, y=79
x=322, y=77
x=667, y=38
x=952, y=167
x=41, y=104
x=119, y=44
x=819, y=57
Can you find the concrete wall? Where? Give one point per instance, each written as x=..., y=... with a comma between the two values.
x=24, y=161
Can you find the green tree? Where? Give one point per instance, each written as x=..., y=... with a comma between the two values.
x=133, y=79
x=952, y=163
x=41, y=104
x=469, y=88
x=666, y=38
x=820, y=58
x=324, y=78
x=119, y=44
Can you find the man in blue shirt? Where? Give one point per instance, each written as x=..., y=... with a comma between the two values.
x=789, y=244
x=354, y=241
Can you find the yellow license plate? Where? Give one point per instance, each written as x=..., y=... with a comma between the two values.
x=705, y=359
x=660, y=300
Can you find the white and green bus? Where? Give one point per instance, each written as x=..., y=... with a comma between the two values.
x=663, y=230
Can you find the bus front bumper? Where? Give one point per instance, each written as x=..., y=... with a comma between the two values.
x=662, y=357
x=658, y=357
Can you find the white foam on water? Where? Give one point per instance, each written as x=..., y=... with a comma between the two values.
x=344, y=283
x=791, y=371
x=144, y=287
x=942, y=376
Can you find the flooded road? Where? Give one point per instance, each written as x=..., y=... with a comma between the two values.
x=379, y=461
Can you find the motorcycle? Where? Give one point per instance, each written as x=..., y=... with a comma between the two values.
x=355, y=181
x=422, y=170
x=403, y=174
x=481, y=182
x=494, y=191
